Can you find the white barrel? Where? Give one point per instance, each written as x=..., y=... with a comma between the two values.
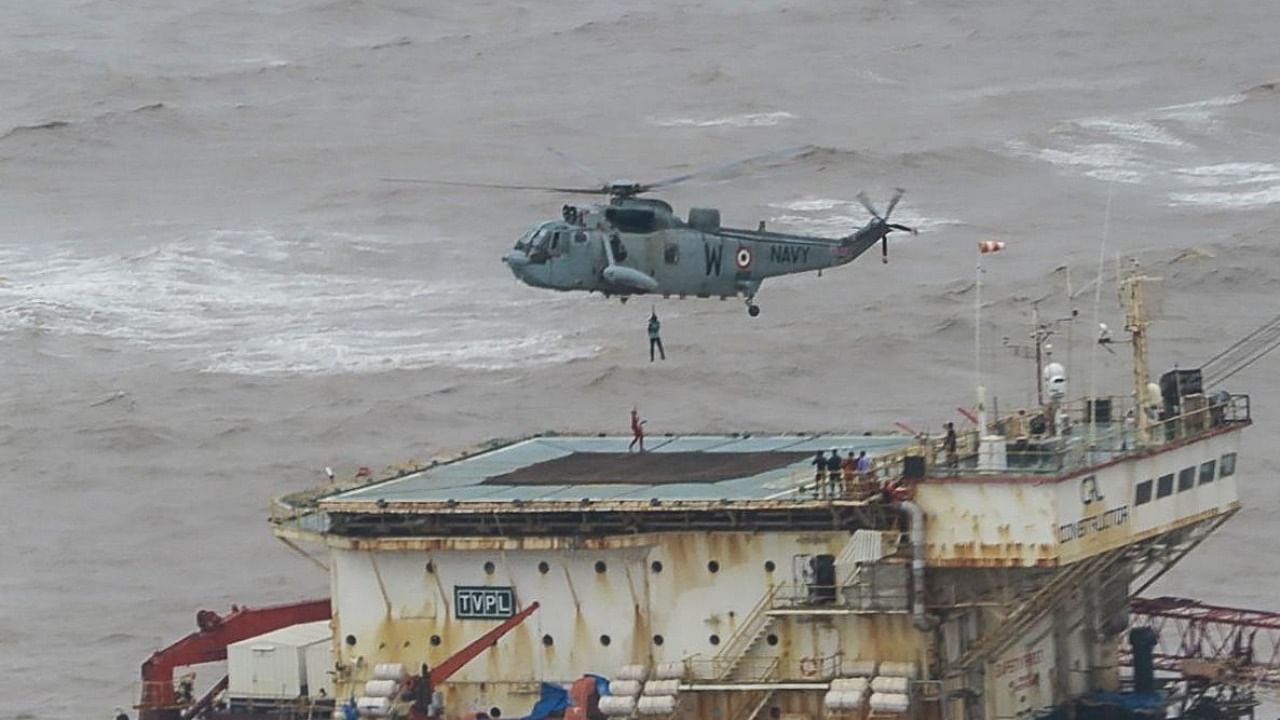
x=833, y=700
x=661, y=687
x=857, y=684
x=861, y=668
x=889, y=684
x=617, y=705
x=625, y=688
x=855, y=700
x=669, y=671
x=889, y=702
x=632, y=672
x=656, y=705
x=373, y=706
x=388, y=671
x=381, y=688
x=899, y=669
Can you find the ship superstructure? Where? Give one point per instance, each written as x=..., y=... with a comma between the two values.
x=729, y=577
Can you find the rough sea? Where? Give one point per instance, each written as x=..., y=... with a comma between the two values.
x=208, y=294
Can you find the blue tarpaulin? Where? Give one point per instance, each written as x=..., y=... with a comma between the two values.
x=553, y=699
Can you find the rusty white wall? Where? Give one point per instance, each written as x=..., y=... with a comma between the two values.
x=391, y=606
x=987, y=523
x=1029, y=522
x=1085, y=528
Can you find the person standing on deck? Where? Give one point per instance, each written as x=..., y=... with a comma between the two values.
x=819, y=472
x=949, y=445
x=637, y=431
x=655, y=340
x=833, y=473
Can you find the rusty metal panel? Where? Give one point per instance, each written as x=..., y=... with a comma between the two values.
x=988, y=524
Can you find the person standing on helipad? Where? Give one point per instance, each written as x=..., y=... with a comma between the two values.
x=637, y=431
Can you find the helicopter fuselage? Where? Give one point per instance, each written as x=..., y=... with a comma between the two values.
x=638, y=246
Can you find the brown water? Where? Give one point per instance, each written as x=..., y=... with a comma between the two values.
x=208, y=295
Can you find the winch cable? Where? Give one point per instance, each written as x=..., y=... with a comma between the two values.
x=1241, y=354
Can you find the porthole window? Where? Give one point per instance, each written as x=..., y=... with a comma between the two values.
x=713, y=566
x=548, y=640
x=714, y=639
x=769, y=566
x=351, y=639
x=656, y=566
x=544, y=567
x=771, y=639
x=601, y=566
x=495, y=712
x=489, y=567
x=605, y=640
x=658, y=640
x=435, y=641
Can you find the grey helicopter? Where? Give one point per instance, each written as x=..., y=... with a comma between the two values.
x=635, y=245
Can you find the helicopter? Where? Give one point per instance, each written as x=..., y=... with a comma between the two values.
x=633, y=245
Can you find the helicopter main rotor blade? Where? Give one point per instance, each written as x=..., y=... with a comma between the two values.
x=904, y=228
x=498, y=186
x=589, y=172
x=893, y=202
x=862, y=198
x=730, y=169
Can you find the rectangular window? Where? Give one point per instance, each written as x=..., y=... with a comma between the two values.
x=1227, y=467
x=1186, y=479
x=1207, y=471
x=1164, y=486
x=1142, y=494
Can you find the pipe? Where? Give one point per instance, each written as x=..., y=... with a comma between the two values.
x=915, y=521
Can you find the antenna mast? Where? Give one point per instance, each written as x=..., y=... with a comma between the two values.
x=1136, y=321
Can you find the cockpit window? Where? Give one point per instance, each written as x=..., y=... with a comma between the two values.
x=523, y=242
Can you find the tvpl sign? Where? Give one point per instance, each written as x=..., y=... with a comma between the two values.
x=483, y=602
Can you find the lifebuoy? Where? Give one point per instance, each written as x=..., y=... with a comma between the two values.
x=809, y=666
x=743, y=258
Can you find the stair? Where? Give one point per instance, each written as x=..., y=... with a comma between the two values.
x=1036, y=607
x=753, y=626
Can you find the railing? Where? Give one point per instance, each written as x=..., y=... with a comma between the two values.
x=864, y=594
x=763, y=668
x=744, y=668
x=749, y=631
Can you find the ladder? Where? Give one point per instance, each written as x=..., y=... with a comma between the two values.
x=1036, y=607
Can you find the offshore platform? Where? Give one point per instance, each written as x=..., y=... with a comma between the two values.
x=993, y=574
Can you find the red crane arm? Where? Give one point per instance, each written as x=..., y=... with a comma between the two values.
x=454, y=663
x=209, y=644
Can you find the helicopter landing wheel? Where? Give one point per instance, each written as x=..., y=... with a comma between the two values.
x=753, y=310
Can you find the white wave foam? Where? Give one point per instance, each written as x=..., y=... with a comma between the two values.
x=1102, y=161
x=1236, y=173
x=815, y=205
x=1230, y=200
x=766, y=119
x=253, y=302
x=842, y=223
x=1139, y=131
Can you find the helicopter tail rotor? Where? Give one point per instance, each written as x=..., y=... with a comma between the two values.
x=879, y=227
